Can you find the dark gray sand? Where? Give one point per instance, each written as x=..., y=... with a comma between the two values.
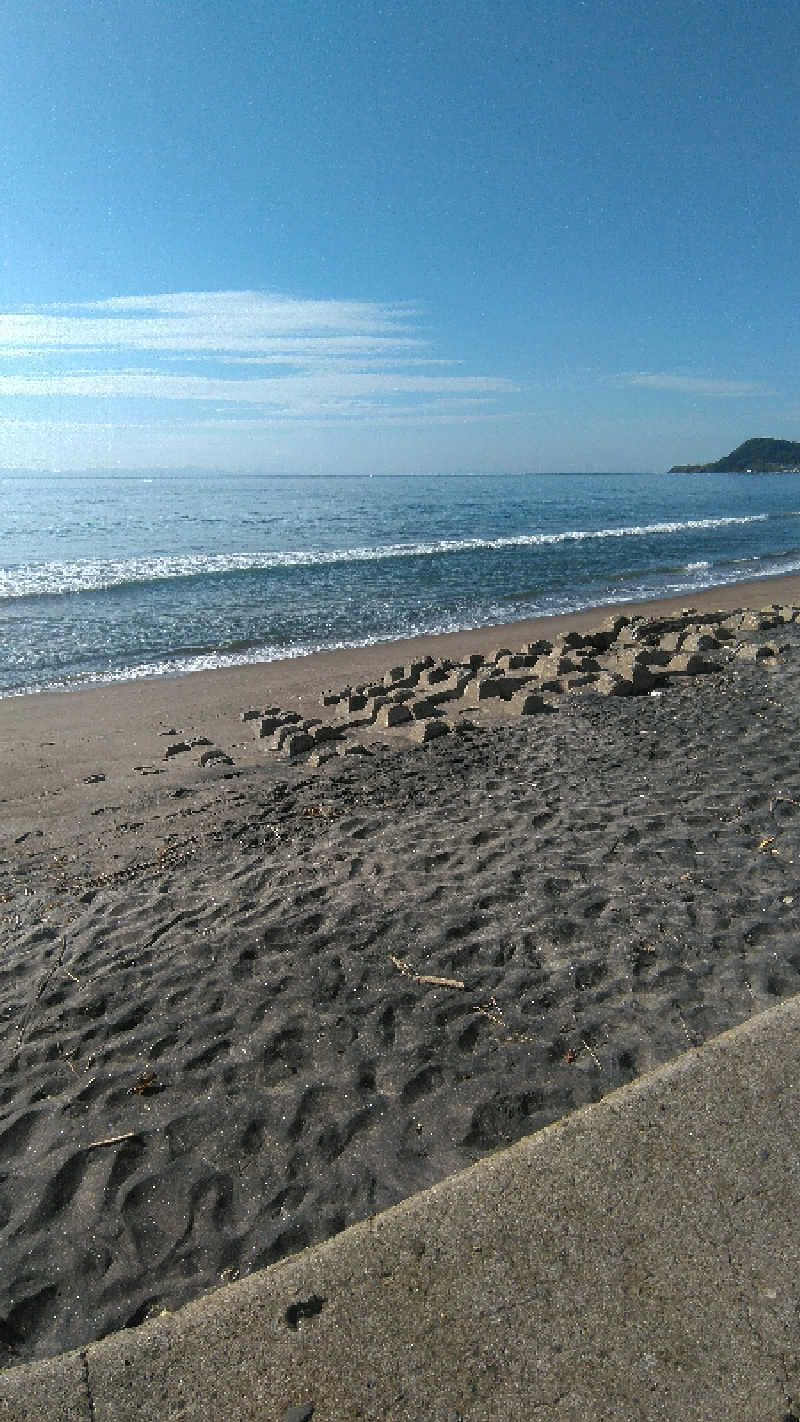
x=247, y=1005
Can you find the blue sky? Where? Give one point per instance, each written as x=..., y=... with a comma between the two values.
x=397, y=237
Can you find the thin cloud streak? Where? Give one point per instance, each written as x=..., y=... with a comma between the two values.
x=153, y=385
x=308, y=360
x=693, y=385
x=212, y=322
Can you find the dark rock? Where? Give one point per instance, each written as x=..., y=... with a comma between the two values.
x=215, y=757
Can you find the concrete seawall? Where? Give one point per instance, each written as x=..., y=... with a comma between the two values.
x=639, y=1260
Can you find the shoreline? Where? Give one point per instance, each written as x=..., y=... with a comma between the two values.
x=777, y=588
x=251, y=1003
x=366, y=658
x=51, y=743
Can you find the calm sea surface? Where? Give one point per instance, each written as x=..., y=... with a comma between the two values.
x=108, y=578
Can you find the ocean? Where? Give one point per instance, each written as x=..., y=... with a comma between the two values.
x=109, y=578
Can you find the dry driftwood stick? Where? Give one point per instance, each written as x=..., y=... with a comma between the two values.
x=592, y=1054
x=113, y=1140
x=408, y=972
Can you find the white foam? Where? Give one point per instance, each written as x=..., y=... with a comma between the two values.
x=95, y=575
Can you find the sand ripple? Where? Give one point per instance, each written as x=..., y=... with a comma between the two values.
x=216, y=1056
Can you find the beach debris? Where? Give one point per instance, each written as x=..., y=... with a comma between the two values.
x=428, y=978
x=677, y=1010
x=215, y=756
x=146, y=1084
x=782, y=800
x=177, y=748
x=592, y=1054
x=95, y=779
x=112, y=1140
x=304, y=1308
x=492, y=1011
x=767, y=846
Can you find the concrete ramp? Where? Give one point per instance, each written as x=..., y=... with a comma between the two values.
x=639, y=1260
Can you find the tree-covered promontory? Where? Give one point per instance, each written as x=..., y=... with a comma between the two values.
x=755, y=456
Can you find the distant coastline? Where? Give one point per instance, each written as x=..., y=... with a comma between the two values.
x=755, y=456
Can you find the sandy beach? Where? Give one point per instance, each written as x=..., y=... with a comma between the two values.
x=251, y=998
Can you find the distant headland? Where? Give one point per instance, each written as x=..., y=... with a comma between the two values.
x=755, y=456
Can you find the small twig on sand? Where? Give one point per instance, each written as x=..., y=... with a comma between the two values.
x=684, y=1025
x=408, y=972
x=113, y=1140
x=592, y=1054
x=493, y=1011
x=767, y=846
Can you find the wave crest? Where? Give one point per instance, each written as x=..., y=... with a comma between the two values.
x=98, y=575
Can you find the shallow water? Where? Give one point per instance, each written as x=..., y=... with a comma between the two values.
x=106, y=578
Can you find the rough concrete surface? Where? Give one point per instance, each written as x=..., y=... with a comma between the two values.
x=639, y=1260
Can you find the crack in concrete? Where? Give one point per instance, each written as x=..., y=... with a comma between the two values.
x=554, y=1401
x=789, y=1399
x=778, y=1357
x=87, y=1384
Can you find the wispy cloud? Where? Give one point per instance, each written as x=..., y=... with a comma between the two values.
x=284, y=358
x=692, y=384
x=286, y=392
x=214, y=322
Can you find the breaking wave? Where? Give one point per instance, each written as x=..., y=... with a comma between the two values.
x=97, y=575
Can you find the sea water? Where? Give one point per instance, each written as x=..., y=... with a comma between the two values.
x=109, y=577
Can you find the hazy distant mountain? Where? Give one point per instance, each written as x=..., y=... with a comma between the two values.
x=755, y=456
